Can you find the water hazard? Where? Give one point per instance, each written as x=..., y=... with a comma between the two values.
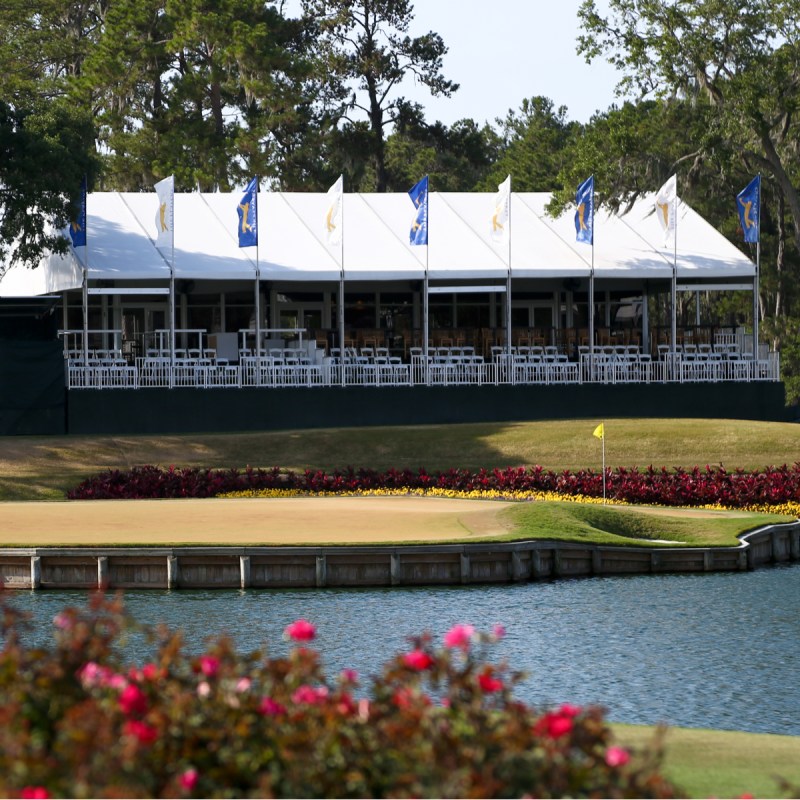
x=718, y=650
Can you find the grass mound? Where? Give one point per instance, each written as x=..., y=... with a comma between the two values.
x=625, y=525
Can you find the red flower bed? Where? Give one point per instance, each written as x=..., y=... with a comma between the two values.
x=670, y=487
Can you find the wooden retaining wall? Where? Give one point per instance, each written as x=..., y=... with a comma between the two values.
x=290, y=567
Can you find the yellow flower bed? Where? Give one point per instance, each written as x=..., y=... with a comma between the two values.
x=789, y=509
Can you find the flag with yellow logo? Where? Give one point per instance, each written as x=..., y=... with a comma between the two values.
x=333, y=215
x=667, y=207
x=165, y=235
x=502, y=212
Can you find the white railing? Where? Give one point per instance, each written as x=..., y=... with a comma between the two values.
x=454, y=367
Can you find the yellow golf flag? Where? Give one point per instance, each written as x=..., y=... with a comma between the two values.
x=599, y=431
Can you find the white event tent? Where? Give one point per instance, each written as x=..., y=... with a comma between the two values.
x=121, y=235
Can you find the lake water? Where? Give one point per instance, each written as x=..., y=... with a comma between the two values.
x=720, y=650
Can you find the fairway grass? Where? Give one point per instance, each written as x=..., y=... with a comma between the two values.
x=709, y=763
x=46, y=467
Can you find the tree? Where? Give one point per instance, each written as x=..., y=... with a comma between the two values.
x=532, y=146
x=46, y=153
x=744, y=60
x=369, y=53
x=196, y=88
x=46, y=139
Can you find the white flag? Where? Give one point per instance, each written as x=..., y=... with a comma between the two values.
x=165, y=216
x=501, y=214
x=667, y=208
x=333, y=215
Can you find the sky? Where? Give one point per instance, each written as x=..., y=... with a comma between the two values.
x=502, y=51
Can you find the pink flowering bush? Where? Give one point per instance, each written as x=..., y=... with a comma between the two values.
x=677, y=486
x=76, y=721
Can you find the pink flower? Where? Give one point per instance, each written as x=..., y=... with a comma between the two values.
x=93, y=674
x=488, y=683
x=309, y=694
x=150, y=672
x=132, y=700
x=617, y=756
x=141, y=731
x=300, y=631
x=209, y=666
x=243, y=684
x=499, y=631
x=569, y=710
x=418, y=660
x=116, y=681
x=554, y=725
x=459, y=636
x=349, y=676
x=203, y=689
x=62, y=621
x=271, y=708
x=188, y=779
x=34, y=793
x=363, y=709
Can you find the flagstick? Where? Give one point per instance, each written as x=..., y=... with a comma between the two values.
x=341, y=293
x=603, y=440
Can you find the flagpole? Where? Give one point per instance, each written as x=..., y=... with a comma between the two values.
x=172, y=297
x=756, y=277
x=674, y=286
x=508, y=290
x=425, y=291
x=258, y=278
x=341, y=292
x=85, y=288
x=591, y=303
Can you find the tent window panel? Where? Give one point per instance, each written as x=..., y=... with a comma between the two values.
x=396, y=311
x=360, y=310
x=440, y=310
x=238, y=317
x=473, y=315
x=203, y=317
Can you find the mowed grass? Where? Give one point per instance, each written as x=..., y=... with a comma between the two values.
x=709, y=763
x=45, y=468
x=625, y=525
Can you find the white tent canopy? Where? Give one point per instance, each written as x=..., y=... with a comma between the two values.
x=121, y=235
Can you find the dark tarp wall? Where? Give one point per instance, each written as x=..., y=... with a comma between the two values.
x=32, y=393
x=153, y=411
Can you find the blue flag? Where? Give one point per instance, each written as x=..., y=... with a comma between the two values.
x=248, y=215
x=748, y=204
x=584, y=214
x=77, y=228
x=419, y=227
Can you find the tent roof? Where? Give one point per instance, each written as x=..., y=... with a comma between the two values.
x=293, y=247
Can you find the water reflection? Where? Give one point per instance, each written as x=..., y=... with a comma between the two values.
x=719, y=650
